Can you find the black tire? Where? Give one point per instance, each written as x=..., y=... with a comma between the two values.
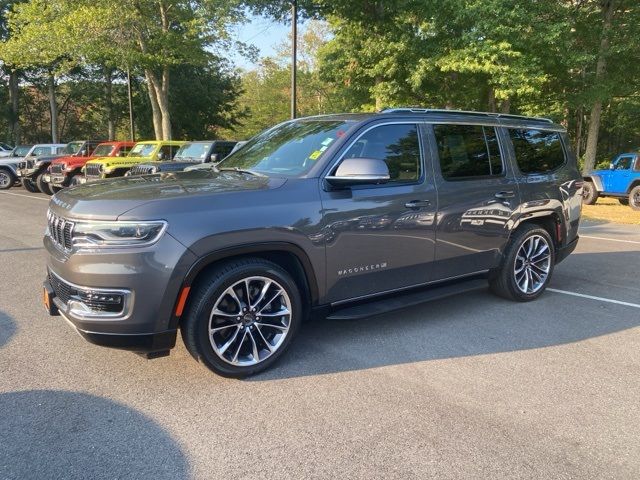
x=503, y=280
x=589, y=193
x=634, y=198
x=623, y=201
x=206, y=295
x=55, y=189
x=30, y=186
x=75, y=180
x=42, y=185
x=7, y=179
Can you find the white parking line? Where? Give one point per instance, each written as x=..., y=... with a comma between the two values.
x=25, y=196
x=592, y=297
x=610, y=239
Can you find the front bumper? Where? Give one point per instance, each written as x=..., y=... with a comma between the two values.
x=27, y=172
x=58, y=179
x=147, y=278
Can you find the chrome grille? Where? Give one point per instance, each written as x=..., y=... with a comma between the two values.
x=60, y=231
x=61, y=288
x=92, y=170
x=56, y=168
x=141, y=170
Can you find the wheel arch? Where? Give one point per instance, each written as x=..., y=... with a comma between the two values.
x=634, y=183
x=549, y=220
x=596, y=180
x=287, y=255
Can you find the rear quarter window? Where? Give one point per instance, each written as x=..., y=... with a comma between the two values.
x=537, y=151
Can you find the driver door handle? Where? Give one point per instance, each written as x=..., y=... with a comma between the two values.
x=417, y=203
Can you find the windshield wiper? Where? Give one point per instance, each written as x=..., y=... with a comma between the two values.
x=240, y=170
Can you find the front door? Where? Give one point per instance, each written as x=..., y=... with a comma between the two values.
x=477, y=197
x=381, y=237
x=618, y=179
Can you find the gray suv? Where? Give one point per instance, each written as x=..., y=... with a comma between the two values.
x=345, y=216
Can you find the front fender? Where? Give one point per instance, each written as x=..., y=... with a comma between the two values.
x=596, y=180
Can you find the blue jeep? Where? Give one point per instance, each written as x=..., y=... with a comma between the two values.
x=621, y=181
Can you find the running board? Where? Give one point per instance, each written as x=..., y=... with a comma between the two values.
x=398, y=301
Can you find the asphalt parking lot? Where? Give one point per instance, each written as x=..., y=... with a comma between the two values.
x=466, y=387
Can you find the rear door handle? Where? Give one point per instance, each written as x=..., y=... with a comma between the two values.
x=417, y=203
x=507, y=194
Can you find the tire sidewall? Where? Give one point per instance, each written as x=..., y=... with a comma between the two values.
x=213, y=292
x=632, y=203
x=509, y=264
x=30, y=186
x=42, y=185
x=11, y=177
x=590, y=195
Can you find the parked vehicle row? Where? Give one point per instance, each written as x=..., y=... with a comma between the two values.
x=345, y=216
x=48, y=168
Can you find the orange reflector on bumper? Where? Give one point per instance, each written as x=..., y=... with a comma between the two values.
x=182, y=300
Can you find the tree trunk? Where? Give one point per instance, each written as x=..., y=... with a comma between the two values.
x=505, y=106
x=53, y=106
x=491, y=103
x=608, y=9
x=108, y=100
x=155, y=108
x=579, y=123
x=163, y=102
x=14, y=119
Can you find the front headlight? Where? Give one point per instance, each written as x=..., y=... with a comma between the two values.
x=117, y=234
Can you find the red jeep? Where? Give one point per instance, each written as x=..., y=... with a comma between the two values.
x=66, y=171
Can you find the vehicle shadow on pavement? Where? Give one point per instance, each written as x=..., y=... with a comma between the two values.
x=476, y=323
x=7, y=328
x=57, y=434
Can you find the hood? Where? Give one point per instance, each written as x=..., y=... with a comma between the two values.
x=120, y=160
x=46, y=158
x=70, y=159
x=108, y=199
x=171, y=165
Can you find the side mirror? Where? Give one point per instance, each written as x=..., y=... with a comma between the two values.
x=612, y=166
x=160, y=156
x=360, y=171
x=213, y=158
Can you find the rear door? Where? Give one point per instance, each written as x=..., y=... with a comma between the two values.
x=381, y=237
x=477, y=198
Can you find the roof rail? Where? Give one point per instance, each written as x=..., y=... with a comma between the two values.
x=465, y=112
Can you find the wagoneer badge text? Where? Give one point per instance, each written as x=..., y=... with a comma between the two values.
x=362, y=269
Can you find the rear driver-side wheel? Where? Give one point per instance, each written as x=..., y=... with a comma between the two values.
x=589, y=193
x=634, y=198
x=7, y=179
x=242, y=317
x=527, y=265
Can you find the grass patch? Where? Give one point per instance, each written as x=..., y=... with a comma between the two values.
x=610, y=210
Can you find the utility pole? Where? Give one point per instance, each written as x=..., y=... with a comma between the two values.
x=294, y=55
x=132, y=127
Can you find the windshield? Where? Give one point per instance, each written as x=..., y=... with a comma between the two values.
x=142, y=150
x=21, y=151
x=73, y=147
x=193, y=150
x=103, y=151
x=5, y=146
x=289, y=149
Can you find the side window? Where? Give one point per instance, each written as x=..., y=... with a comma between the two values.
x=167, y=152
x=40, y=151
x=124, y=150
x=397, y=145
x=636, y=168
x=624, y=163
x=537, y=151
x=468, y=151
x=222, y=150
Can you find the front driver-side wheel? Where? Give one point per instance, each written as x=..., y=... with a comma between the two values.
x=242, y=316
x=589, y=193
x=7, y=179
x=527, y=265
x=634, y=198
x=42, y=185
x=29, y=185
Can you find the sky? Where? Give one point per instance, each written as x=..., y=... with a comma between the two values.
x=264, y=34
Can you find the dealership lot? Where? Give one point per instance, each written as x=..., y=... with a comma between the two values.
x=467, y=387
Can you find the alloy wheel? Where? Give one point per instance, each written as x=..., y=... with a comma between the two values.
x=5, y=180
x=532, y=264
x=250, y=321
